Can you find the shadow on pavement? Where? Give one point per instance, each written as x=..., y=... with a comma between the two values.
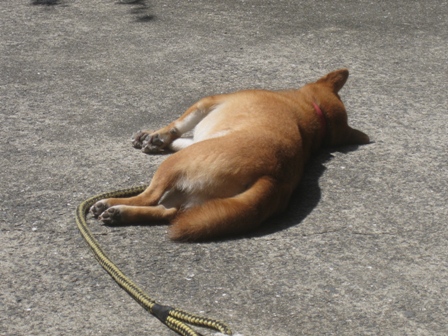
x=140, y=8
x=305, y=198
x=46, y=2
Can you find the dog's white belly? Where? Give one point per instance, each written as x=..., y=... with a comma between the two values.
x=195, y=190
x=177, y=198
x=209, y=128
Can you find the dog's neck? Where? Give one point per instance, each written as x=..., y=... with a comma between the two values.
x=322, y=121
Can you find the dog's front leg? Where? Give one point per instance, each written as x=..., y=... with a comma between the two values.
x=156, y=142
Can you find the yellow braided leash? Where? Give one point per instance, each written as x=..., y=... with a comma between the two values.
x=175, y=319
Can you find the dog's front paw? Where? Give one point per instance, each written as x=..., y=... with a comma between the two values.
x=98, y=208
x=153, y=144
x=139, y=138
x=150, y=143
x=111, y=216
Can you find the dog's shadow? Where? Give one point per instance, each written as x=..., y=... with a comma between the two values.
x=304, y=199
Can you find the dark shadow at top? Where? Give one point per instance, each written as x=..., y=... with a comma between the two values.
x=46, y=2
x=140, y=9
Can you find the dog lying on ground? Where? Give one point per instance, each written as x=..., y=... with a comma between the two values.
x=246, y=157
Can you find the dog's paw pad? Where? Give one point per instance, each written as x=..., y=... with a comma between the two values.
x=111, y=216
x=98, y=208
x=151, y=149
x=140, y=138
x=153, y=144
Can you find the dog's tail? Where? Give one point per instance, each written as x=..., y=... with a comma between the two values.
x=335, y=79
x=224, y=217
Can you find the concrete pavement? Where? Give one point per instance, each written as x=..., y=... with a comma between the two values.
x=362, y=249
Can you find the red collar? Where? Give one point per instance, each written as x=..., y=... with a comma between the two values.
x=322, y=120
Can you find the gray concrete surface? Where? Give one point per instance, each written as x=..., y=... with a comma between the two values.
x=362, y=249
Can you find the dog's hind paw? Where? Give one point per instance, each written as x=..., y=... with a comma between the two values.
x=111, y=216
x=98, y=208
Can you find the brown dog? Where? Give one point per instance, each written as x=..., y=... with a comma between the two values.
x=246, y=157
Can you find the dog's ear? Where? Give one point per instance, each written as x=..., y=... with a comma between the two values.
x=335, y=79
x=356, y=137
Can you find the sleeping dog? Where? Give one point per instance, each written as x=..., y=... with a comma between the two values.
x=245, y=158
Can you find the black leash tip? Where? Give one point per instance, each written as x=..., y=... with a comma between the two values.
x=161, y=312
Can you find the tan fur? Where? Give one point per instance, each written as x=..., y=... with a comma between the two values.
x=246, y=158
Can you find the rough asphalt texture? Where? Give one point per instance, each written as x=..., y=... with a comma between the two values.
x=362, y=249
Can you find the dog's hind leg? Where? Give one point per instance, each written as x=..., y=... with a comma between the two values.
x=156, y=142
x=162, y=181
x=222, y=217
x=129, y=214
